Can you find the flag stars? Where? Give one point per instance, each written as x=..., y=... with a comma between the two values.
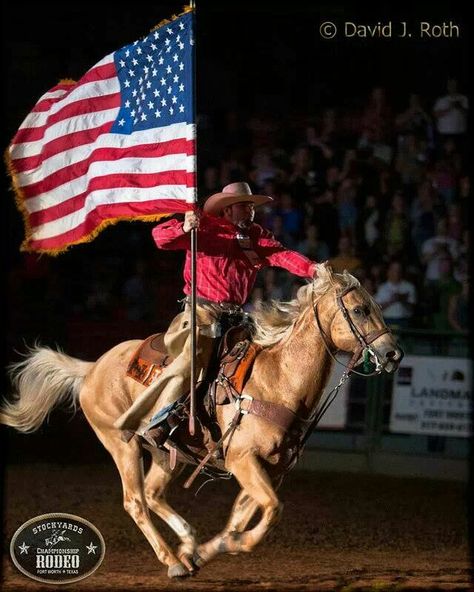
x=140, y=80
x=181, y=26
x=121, y=122
x=143, y=117
x=133, y=112
x=181, y=108
x=175, y=57
x=134, y=92
x=139, y=50
x=175, y=78
x=148, y=84
x=131, y=73
x=163, y=82
x=168, y=49
x=156, y=35
x=167, y=41
x=181, y=87
x=127, y=104
x=181, y=66
x=163, y=102
x=146, y=69
x=135, y=62
x=181, y=45
x=153, y=46
x=168, y=69
x=122, y=64
x=171, y=110
x=126, y=83
x=151, y=105
x=156, y=92
x=174, y=100
x=161, y=60
x=127, y=53
x=157, y=113
x=169, y=89
x=143, y=96
x=149, y=58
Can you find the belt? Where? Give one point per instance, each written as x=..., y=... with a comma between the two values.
x=228, y=307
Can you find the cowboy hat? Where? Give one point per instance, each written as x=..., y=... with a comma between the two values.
x=232, y=194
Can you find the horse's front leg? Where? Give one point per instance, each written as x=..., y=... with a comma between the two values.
x=257, y=491
x=156, y=482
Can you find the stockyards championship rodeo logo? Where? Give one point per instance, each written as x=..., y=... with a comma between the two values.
x=57, y=548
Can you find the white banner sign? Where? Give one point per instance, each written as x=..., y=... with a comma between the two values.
x=336, y=415
x=432, y=395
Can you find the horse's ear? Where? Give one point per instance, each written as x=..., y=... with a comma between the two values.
x=325, y=269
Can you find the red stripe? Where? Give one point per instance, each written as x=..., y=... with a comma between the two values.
x=110, y=182
x=109, y=212
x=45, y=104
x=99, y=73
x=61, y=144
x=76, y=170
x=81, y=107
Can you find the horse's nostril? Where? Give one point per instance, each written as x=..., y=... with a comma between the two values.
x=391, y=354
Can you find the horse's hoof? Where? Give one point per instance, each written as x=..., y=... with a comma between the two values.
x=188, y=561
x=198, y=560
x=178, y=570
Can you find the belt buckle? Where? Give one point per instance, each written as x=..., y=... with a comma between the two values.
x=238, y=403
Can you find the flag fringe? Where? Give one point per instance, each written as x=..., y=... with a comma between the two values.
x=25, y=245
x=187, y=8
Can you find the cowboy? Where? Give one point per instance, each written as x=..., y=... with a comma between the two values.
x=231, y=249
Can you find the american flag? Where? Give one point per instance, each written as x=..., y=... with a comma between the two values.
x=119, y=144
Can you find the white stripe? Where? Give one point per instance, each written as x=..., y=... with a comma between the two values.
x=103, y=168
x=55, y=163
x=52, y=94
x=98, y=88
x=112, y=196
x=66, y=126
x=39, y=118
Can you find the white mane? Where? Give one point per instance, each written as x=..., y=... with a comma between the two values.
x=275, y=320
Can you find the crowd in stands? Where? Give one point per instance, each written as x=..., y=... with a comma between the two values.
x=380, y=193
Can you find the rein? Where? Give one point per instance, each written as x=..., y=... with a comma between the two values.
x=364, y=340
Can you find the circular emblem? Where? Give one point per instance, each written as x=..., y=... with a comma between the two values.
x=57, y=548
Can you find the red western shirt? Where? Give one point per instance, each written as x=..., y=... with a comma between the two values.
x=224, y=273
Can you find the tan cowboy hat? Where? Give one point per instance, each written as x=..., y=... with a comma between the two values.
x=231, y=194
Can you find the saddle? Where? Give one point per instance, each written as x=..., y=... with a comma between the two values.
x=226, y=375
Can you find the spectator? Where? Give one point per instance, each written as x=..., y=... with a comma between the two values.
x=442, y=291
x=414, y=120
x=345, y=258
x=458, y=314
x=397, y=297
x=435, y=248
x=450, y=112
x=311, y=246
x=397, y=228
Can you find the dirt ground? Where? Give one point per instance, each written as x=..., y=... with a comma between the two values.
x=338, y=532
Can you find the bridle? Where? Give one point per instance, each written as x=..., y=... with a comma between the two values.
x=364, y=339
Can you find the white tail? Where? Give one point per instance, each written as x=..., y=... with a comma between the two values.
x=41, y=381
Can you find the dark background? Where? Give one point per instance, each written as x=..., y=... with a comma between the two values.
x=251, y=57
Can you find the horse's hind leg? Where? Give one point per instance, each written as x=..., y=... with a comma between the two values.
x=257, y=491
x=129, y=461
x=156, y=482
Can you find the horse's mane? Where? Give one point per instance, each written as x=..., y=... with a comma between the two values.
x=275, y=320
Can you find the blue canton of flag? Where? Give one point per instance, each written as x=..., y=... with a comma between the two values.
x=156, y=78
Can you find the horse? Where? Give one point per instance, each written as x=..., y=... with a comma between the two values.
x=298, y=342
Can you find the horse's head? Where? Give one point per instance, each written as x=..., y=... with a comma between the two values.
x=353, y=320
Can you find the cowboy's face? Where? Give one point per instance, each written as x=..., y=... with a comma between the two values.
x=241, y=213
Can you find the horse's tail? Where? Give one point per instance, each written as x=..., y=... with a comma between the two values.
x=41, y=381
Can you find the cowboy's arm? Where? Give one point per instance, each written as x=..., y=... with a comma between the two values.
x=174, y=234
x=276, y=255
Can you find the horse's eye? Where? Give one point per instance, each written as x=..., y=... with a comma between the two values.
x=358, y=311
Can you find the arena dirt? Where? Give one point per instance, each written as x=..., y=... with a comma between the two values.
x=340, y=532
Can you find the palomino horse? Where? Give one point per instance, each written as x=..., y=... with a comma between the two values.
x=299, y=339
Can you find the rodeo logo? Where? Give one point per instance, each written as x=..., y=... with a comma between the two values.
x=57, y=548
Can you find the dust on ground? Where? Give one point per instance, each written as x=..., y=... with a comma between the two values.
x=342, y=532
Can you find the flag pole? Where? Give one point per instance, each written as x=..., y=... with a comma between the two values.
x=192, y=391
